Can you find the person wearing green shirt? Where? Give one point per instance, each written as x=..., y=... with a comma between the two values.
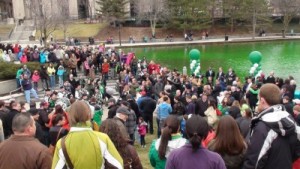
x=170, y=140
x=86, y=148
x=18, y=76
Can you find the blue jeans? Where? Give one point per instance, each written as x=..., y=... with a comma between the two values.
x=61, y=80
x=18, y=82
x=52, y=82
x=27, y=94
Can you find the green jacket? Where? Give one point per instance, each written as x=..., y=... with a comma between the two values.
x=19, y=73
x=87, y=149
x=157, y=163
x=98, y=116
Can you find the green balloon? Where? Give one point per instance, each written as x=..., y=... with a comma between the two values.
x=194, y=54
x=255, y=57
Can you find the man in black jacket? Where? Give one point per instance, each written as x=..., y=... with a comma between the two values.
x=112, y=108
x=7, y=123
x=44, y=77
x=147, y=108
x=273, y=136
x=210, y=73
x=133, y=106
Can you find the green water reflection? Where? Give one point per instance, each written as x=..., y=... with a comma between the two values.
x=280, y=56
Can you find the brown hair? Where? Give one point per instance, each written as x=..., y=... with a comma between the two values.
x=236, y=103
x=271, y=93
x=80, y=112
x=59, y=109
x=111, y=128
x=171, y=126
x=228, y=138
x=212, y=102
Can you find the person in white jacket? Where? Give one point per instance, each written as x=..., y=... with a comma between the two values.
x=210, y=113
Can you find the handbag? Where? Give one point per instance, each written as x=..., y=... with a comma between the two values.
x=64, y=150
x=51, y=147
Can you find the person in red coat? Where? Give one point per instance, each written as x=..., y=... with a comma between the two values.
x=23, y=58
x=16, y=49
x=105, y=69
x=151, y=67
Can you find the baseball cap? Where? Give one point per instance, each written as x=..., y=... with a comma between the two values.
x=123, y=110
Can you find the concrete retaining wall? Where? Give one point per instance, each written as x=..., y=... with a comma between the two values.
x=7, y=86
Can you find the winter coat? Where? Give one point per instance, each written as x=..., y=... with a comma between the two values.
x=51, y=71
x=72, y=62
x=157, y=163
x=186, y=158
x=24, y=152
x=16, y=49
x=43, y=57
x=35, y=77
x=60, y=70
x=231, y=161
x=105, y=68
x=163, y=110
x=43, y=73
x=23, y=59
x=273, y=140
x=142, y=128
x=190, y=108
x=130, y=123
x=19, y=73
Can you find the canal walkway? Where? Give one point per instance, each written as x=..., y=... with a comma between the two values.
x=173, y=42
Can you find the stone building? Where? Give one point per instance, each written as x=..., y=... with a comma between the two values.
x=22, y=9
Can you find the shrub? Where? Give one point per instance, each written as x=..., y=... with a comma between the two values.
x=9, y=70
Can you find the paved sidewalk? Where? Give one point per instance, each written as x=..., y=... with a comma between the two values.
x=161, y=42
x=206, y=41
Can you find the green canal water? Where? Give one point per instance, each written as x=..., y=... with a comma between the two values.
x=280, y=56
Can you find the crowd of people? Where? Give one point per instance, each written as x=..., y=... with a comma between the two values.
x=215, y=120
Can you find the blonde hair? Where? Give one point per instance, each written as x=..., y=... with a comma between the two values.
x=80, y=112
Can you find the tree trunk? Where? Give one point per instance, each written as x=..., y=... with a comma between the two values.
x=213, y=13
x=232, y=25
x=253, y=24
x=286, y=22
x=45, y=37
x=153, y=25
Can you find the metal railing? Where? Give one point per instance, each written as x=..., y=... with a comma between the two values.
x=11, y=92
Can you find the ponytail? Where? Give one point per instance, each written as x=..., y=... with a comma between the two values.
x=195, y=140
x=164, y=139
x=196, y=129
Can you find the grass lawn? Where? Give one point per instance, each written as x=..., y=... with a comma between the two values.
x=78, y=30
x=143, y=152
x=5, y=29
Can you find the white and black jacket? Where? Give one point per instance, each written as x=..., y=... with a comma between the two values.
x=273, y=141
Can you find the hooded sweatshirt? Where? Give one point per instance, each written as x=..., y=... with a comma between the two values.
x=176, y=142
x=273, y=141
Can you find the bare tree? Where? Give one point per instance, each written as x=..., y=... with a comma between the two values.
x=287, y=9
x=46, y=16
x=152, y=10
x=258, y=13
x=64, y=15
